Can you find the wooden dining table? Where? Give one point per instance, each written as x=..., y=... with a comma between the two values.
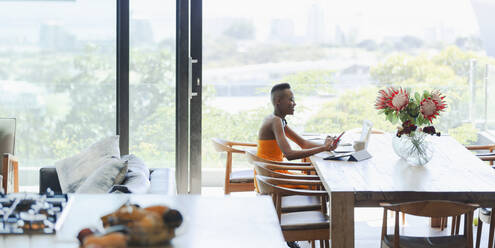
x=454, y=174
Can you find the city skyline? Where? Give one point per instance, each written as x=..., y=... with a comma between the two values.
x=321, y=20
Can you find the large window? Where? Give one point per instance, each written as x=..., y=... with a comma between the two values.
x=336, y=55
x=57, y=77
x=152, y=81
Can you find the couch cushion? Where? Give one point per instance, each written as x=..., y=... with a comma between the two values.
x=135, y=164
x=135, y=182
x=163, y=182
x=304, y=220
x=242, y=176
x=104, y=177
x=73, y=171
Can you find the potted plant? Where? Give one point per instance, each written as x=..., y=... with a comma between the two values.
x=416, y=114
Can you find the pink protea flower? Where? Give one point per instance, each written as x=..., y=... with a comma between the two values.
x=431, y=106
x=392, y=99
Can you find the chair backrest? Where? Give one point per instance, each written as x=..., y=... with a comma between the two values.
x=7, y=135
x=222, y=145
x=253, y=157
x=271, y=186
x=432, y=208
x=490, y=147
x=263, y=170
x=270, y=170
x=488, y=157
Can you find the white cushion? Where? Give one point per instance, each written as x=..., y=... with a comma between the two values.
x=135, y=182
x=135, y=164
x=73, y=171
x=104, y=177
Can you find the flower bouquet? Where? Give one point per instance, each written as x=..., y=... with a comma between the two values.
x=416, y=114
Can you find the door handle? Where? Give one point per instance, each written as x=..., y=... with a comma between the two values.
x=191, y=92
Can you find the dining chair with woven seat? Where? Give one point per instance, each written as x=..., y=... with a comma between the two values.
x=438, y=209
x=235, y=180
x=9, y=164
x=484, y=214
x=292, y=203
x=302, y=225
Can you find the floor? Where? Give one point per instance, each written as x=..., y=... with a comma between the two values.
x=369, y=222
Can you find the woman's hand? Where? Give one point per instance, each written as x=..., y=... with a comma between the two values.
x=330, y=143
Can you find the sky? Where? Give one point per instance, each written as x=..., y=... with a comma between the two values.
x=376, y=18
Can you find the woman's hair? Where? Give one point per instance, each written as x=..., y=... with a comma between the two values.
x=279, y=87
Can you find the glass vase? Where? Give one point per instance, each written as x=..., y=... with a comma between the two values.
x=413, y=148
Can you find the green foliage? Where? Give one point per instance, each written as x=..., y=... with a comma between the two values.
x=447, y=71
x=78, y=95
x=308, y=83
x=75, y=103
x=217, y=123
x=465, y=134
x=348, y=111
x=226, y=51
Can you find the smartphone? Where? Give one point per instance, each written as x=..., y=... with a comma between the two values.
x=338, y=138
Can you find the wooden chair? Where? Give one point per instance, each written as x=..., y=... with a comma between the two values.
x=489, y=157
x=252, y=157
x=293, y=203
x=9, y=164
x=238, y=180
x=302, y=225
x=10, y=173
x=436, y=209
x=485, y=215
x=289, y=203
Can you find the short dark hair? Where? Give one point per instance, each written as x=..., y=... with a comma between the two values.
x=280, y=86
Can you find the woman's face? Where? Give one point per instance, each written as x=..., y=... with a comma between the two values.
x=287, y=102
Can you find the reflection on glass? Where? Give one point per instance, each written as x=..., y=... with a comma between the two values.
x=152, y=82
x=336, y=55
x=57, y=78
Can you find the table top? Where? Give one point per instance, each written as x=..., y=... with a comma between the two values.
x=453, y=170
x=208, y=221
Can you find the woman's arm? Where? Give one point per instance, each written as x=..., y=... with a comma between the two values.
x=291, y=154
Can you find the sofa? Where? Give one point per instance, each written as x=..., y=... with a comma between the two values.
x=162, y=181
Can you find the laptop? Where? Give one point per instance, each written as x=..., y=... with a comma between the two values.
x=365, y=136
x=7, y=135
x=365, y=132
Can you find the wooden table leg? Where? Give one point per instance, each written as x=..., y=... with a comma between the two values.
x=342, y=219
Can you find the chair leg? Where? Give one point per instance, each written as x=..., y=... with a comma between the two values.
x=492, y=228
x=454, y=225
x=403, y=218
x=327, y=244
x=457, y=224
x=478, y=232
x=442, y=223
x=313, y=243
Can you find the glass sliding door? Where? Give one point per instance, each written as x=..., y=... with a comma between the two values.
x=152, y=82
x=57, y=77
x=336, y=55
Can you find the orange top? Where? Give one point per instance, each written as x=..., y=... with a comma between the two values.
x=269, y=150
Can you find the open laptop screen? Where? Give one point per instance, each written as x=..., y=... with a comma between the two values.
x=7, y=135
x=366, y=131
